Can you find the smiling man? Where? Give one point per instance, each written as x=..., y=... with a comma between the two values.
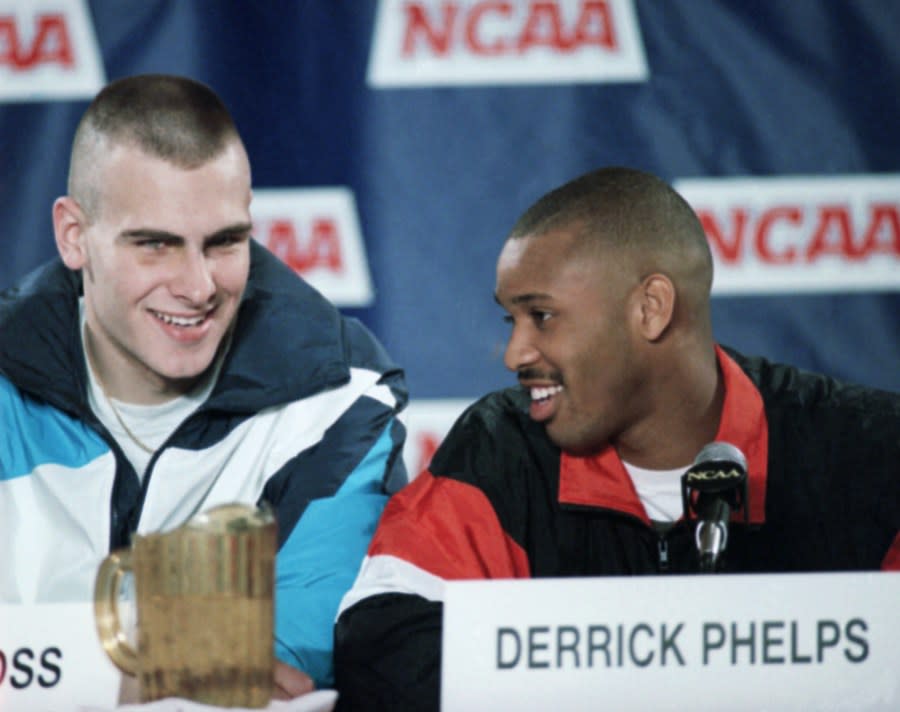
x=605, y=282
x=164, y=250
x=167, y=363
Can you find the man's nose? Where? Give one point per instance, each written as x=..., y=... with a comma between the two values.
x=194, y=281
x=519, y=350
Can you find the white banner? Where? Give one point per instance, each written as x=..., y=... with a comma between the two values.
x=792, y=234
x=423, y=43
x=48, y=51
x=427, y=423
x=743, y=642
x=315, y=231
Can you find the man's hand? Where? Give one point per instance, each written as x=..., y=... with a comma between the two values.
x=290, y=682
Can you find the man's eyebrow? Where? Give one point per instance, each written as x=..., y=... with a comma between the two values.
x=147, y=233
x=236, y=229
x=524, y=298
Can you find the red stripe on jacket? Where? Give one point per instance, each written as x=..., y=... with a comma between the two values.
x=891, y=561
x=449, y=529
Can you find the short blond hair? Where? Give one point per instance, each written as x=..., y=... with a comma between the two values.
x=174, y=118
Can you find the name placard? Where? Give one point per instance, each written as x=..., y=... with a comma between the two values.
x=51, y=660
x=776, y=642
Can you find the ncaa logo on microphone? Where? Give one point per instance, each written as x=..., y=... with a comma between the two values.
x=719, y=475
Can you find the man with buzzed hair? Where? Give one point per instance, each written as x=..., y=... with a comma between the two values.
x=577, y=472
x=168, y=363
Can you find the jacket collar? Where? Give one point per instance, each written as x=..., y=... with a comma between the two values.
x=288, y=341
x=601, y=480
x=40, y=346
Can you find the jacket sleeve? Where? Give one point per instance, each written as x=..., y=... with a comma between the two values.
x=387, y=654
x=388, y=634
x=328, y=500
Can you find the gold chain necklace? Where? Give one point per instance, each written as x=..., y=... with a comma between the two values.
x=137, y=441
x=134, y=438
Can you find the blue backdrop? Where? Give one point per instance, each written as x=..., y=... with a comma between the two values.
x=440, y=167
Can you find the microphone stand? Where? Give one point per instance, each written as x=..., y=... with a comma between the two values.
x=711, y=489
x=711, y=533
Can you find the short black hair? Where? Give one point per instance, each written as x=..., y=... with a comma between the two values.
x=621, y=207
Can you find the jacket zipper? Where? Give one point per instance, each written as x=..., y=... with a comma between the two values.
x=663, y=554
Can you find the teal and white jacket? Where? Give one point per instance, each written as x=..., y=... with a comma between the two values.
x=304, y=415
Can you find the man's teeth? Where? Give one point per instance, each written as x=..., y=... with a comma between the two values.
x=545, y=392
x=179, y=320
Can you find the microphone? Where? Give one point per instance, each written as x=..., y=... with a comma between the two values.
x=713, y=487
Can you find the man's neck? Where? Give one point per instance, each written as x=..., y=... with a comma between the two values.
x=683, y=415
x=126, y=387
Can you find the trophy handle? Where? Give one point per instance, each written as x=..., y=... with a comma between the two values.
x=106, y=610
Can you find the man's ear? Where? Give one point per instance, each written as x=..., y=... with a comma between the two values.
x=69, y=222
x=656, y=306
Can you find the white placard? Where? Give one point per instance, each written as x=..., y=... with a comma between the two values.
x=51, y=660
x=741, y=642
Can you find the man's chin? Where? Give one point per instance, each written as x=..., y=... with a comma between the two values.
x=575, y=446
x=183, y=376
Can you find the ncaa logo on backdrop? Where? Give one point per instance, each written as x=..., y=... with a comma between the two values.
x=48, y=50
x=315, y=231
x=422, y=43
x=800, y=234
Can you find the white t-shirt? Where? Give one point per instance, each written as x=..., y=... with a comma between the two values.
x=659, y=490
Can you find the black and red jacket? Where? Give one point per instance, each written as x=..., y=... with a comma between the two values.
x=501, y=501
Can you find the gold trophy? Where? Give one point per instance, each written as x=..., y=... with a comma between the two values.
x=204, y=600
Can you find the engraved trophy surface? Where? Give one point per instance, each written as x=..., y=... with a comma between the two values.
x=204, y=601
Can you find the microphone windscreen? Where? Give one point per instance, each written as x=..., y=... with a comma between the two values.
x=719, y=451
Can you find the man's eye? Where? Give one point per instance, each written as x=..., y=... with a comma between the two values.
x=227, y=240
x=540, y=317
x=507, y=319
x=152, y=245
